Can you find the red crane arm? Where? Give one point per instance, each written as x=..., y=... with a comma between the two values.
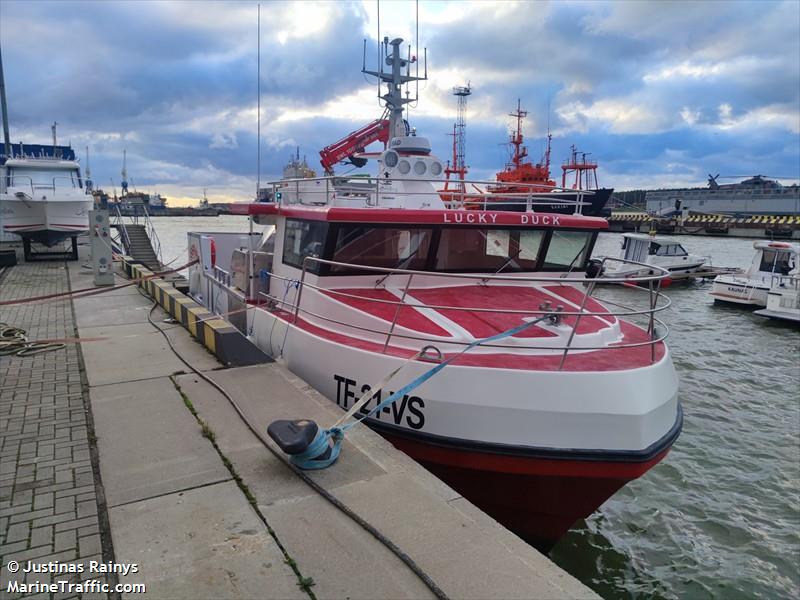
x=354, y=142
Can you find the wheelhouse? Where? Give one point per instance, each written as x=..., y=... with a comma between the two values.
x=42, y=174
x=445, y=248
x=638, y=248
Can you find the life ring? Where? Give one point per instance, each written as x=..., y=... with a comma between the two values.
x=213, y=247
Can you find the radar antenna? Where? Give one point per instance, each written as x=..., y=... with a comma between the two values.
x=394, y=78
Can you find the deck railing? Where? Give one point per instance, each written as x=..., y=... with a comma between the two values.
x=320, y=191
x=17, y=181
x=657, y=331
x=791, y=282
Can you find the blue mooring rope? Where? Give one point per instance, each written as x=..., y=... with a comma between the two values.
x=327, y=444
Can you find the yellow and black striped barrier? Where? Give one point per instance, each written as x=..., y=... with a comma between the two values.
x=786, y=221
x=221, y=338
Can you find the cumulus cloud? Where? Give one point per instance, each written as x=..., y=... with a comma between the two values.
x=657, y=94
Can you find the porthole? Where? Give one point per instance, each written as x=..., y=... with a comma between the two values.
x=390, y=159
x=436, y=168
x=404, y=167
x=420, y=168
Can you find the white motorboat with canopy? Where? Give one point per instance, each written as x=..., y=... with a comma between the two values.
x=750, y=288
x=653, y=251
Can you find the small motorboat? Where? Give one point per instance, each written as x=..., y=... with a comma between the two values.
x=43, y=198
x=751, y=287
x=642, y=252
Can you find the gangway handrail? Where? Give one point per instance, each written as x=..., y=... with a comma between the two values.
x=120, y=223
x=152, y=234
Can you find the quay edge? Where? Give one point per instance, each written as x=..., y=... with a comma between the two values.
x=144, y=429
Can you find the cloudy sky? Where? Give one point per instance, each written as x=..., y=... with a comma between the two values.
x=661, y=93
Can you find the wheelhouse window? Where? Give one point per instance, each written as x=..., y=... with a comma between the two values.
x=568, y=250
x=492, y=250
x=301, y=239
x=668, y=250
x=386, y=247
x=776, y=262
x=44, y=178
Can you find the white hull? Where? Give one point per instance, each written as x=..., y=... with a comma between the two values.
x=773, y=263
x=613, y=410
x=68, y=214
x=783, y=301
x=674, y=268
x=740, y=291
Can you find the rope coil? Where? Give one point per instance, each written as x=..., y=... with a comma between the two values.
x=15, y=342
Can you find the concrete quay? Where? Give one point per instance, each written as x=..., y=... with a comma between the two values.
x=113, y=450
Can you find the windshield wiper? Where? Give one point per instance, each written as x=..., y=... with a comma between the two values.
x=401, y=265
x=511, y=258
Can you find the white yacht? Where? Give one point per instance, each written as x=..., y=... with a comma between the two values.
x=42, y=196
x=751, y=287
x=783, y=299
x=654, y=251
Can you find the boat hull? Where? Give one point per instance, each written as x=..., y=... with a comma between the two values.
x=537, y=498
x=691, y=267
x=46, y=222
x=596, y=207
x=737, y=291
x=783, y=304
x=523, y=446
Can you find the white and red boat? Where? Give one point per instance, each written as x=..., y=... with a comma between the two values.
x=361, y=273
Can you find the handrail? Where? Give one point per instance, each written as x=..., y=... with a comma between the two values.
x=221, y=275
x=369, y=188
x=793, y=281
x=654, y=305
x=510, y=311
x=40, y=185
x=664, y=273
x=120, y=223
x=151, y=233
x=428, y=340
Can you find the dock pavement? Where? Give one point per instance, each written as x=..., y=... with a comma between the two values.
x=114, y=454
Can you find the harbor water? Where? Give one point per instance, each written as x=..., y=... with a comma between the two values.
x=720, y=516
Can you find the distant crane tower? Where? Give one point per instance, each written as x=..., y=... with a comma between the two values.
x=461, y=124
x=89, y=183
x=458, y=165
x=124, y=183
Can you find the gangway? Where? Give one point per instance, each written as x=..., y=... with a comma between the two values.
x=137, y=236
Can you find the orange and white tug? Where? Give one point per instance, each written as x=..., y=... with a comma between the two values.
x=360, y=273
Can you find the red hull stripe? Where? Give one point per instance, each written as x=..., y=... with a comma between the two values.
x=540, y=501
x=20, y=226
x=536, y=461
x=517, y=465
